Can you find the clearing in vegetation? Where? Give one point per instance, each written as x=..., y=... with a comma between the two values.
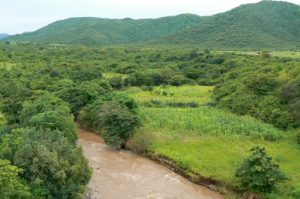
x=212, y=142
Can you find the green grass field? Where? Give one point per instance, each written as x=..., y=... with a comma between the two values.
x=170, y=94
x=213, y=142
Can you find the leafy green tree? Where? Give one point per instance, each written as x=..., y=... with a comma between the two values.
x=270, y=110
x=13, y=94
x=177, y=80
x=49, y=112
x=258, y=173
x=81, y=74
x=43, y=103
x=116, y=82
x=80, y=95
x=52, y=165
x=53, y=120
x=9, y=144
x=114, y=116
x=11, y=185
x=261, y=84
x=118, y=123
x=121, y=99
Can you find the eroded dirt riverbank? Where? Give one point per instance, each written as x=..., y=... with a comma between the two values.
x=125, y=175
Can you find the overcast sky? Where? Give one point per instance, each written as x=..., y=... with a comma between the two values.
x=17, y=16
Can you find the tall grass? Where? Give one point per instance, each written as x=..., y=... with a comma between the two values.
x=206, y=121
x=173, y=95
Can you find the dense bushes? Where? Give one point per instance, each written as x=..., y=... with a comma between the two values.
x=51, y=164
x=261, y=92
x=114, y=116
x=38, y=152
x=118, y=123
x=82, y=94
x=44, y=148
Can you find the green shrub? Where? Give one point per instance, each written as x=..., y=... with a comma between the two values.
x=82, y=94
x=118, y=123
x=141, y=142
x=112, y=115
x=116, y=82
x=258, y=173
x=49, y=112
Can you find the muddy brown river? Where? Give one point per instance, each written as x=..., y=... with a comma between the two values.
x=125, y=175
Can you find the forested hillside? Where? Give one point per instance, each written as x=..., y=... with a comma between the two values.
x=97, y=31
x=266, y=24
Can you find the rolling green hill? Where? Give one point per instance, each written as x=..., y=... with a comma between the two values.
x=267, y=24
x=98, y=31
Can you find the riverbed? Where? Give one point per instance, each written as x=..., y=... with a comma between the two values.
x=125, y=175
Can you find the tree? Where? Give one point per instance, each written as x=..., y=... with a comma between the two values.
x=81, y=74
x=177, y=80
x=118, y=123
x=43, y=103
x=10, y=184
x=49, y=112
x=52, y=165
x=53, y=120
x=80, y=95
x=258, y=173
x=116, y=82
x=115, y=120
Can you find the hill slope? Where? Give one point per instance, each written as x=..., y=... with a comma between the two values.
x=267, y=24
x=97, y=31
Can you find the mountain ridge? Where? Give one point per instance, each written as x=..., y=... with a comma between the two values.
x=266, y=24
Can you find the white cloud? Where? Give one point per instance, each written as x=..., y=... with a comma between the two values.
x=17, y=16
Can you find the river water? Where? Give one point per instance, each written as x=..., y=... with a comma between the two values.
x=125, y=175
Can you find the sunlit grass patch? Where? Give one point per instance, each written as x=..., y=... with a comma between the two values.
x=111, y=75
x=171, y=95
x=206, y=121
x=218, y=157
